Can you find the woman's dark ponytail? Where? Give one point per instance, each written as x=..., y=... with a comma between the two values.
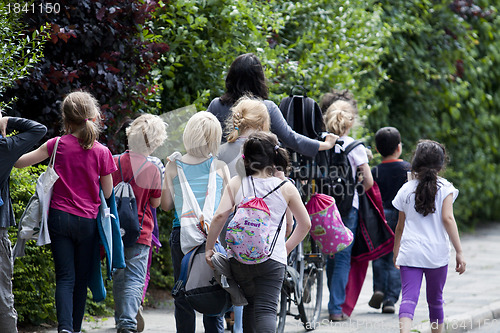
x=428, y=160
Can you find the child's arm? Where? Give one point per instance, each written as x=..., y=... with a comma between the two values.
x=225, y=208
x=167, y=197
x=451, y=228
x=33, y=157
x=299, y=211
x=107, y=185
x=367, y=176
x=397, y=236
x=289, y=222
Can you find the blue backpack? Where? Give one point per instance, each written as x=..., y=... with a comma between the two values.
x=126, y=205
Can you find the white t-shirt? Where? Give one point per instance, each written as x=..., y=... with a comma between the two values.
x=425, y=242
x=356, y=157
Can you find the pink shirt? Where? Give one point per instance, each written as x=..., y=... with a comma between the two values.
x=77, y=189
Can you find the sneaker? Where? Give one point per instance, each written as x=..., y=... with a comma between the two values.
x=376, y=300
x=126, y=330
x=388, y=307
x=140, y=320
x=338, y=317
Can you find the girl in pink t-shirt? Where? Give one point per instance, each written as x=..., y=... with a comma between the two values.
x=83, y=164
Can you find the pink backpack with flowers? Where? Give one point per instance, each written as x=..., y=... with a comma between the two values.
x=327, y=227
x=248, y=233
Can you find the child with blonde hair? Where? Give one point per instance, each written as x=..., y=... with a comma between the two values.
x=83, y=165
x=202, y=137
x=144, y=136
x=248, y=115
x=339, y=119
x=422, y=240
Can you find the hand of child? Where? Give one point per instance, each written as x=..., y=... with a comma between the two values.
x=208, y=257
x=460, y=268
x=394, y=257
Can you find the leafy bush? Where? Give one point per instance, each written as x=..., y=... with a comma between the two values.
x=34, y=277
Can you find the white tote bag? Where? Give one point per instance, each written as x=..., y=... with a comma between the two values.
x=194, y=221
x=33, y=223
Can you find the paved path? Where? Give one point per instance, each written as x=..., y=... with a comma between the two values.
x=472, y=299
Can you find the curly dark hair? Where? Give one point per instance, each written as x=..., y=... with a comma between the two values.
x=428, y=160
x=261, y=151
x=337, y=95
x=245, y=77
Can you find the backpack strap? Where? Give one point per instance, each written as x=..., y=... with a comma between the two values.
x=189, y=199
x=352, y=145
x=277, y=233
x=274, y=189
x=133, y=175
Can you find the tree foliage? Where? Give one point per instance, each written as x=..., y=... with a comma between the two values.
x=98, y=46
x=19, y=50
x=441, y=84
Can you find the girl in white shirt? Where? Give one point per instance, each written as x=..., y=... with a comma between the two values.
x=422, y=240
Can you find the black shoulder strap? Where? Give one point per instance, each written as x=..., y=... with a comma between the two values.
x=274, y=189
x=138, y=170
x=351, y=146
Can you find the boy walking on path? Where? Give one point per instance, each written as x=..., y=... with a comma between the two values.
x=390, y=175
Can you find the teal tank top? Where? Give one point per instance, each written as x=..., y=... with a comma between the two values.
x=197, y=177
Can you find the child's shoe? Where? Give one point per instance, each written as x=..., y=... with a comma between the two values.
x=376, y=300
x=388, y=307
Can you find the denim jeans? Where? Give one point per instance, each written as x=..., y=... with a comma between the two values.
x=261, y=284
x=185, y=316
x=72, y=239
x=386, y=277
x=128, y=285
x=8, y=315
x=338, y=267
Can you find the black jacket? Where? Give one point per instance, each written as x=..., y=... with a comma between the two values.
x=29, y=132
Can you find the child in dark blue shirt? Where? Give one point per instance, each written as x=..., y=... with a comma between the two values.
x=390, y=175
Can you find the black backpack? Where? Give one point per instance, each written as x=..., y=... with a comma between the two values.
x=337, y=179
x=304, y=116
x=126, y=205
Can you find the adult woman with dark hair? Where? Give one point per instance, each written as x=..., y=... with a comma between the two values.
x=246, y=76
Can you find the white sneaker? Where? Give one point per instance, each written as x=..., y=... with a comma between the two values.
x=140, y=320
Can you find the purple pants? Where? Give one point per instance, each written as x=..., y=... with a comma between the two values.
x=411, y=281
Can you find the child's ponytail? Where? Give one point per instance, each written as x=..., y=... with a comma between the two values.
x=248, y=113
x=340, y=117
x=262, y=152
x=428, y=160
x=80, y=112
x=282, y=159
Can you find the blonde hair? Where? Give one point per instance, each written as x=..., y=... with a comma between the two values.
x=202, y=135
x=146, y=133
x=340, y=117
x=80, y=110
x=247, y=113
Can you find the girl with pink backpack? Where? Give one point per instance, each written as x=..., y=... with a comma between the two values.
x=259, y=270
